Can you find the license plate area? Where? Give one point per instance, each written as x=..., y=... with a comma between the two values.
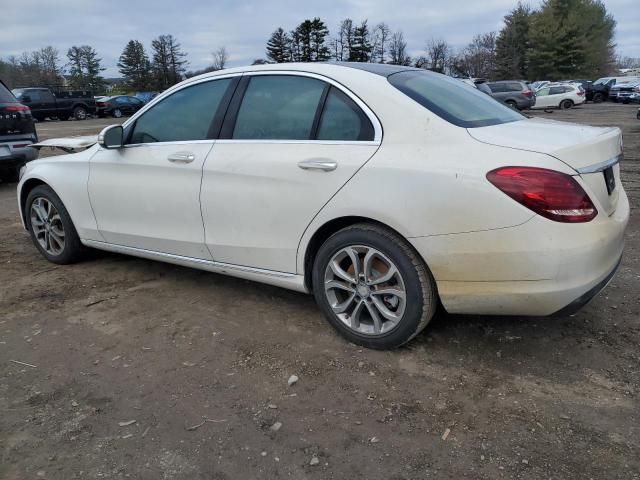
x=609, y=179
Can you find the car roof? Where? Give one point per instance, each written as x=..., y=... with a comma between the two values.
x=321, y=68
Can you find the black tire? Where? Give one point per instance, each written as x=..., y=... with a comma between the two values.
x=566, y=104
x=598, y=98
x=80, y=113
x=73, y=249
x=117, y=113
x=512, y=104
x=419, y=285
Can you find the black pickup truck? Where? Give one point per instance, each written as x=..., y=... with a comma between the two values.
x=45, y=102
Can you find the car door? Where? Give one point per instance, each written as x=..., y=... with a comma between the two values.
x=289, y=143
x=145, y=195
x=542, y=98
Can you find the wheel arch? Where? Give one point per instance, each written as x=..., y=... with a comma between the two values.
x=324, y=231
x=26, y=188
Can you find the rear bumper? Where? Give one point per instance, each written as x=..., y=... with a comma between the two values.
x=17, y=157
x=535, y=269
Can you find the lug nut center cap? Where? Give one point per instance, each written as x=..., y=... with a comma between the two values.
x=363, y=290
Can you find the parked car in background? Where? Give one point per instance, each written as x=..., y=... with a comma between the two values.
x=539, y=84
x=599, y=90
x=625, y=92
x=563, y=96
x=61, y=104
x=484, y=211
x=17, y=132
x=146, y=97
x=515, y=93
x=585, y=84
x=119, y=106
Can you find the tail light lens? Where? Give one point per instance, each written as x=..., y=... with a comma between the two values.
x=101, y=104
x=580, y=93
x=527, y=93
x=16, y=108
x=553, y=195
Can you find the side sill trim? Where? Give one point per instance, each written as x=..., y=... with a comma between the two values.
x=290, y=281
x=599, y=167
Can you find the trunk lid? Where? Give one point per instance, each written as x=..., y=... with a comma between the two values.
x=593, y=152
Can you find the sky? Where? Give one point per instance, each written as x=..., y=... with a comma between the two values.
x=243, y=27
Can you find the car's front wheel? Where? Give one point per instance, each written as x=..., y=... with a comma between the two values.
x=373, y=287
x=51, y=228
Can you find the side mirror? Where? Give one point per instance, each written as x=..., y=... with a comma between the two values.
x=111, y=137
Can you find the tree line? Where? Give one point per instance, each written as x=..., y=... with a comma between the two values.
x=561, y=39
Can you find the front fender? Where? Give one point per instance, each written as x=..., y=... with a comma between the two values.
x=68, y=176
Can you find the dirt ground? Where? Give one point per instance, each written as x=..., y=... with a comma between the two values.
x=145, y=370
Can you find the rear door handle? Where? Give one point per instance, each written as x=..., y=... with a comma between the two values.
x=181, y=157
x=323, y=164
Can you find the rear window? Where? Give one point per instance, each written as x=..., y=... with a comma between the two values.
x=5, y=95
x=452, y=100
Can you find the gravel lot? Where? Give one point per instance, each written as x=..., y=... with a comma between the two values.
x=150, y=371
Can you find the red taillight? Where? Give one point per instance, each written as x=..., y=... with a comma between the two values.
x=101, y=104
x=527, y=93
x=580, y=93
x=16, y=108
x=554, y=195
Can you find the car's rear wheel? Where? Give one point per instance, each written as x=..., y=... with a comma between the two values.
x=566, y=104
x=373, y=287
x=598, y=98
x=80, y=113
x=512, y=104
x=117, y=113
x=51, y=228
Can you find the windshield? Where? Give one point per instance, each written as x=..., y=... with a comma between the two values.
x=452, y=100
x=5, y=95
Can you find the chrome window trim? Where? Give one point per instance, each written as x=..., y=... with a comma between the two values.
x=599, y=167
x=173, y=90
x=377, y=126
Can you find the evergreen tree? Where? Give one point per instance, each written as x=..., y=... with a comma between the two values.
x=134, y=66
x=279, y=47
x=85, y=68
x=512, y=44
x=308, y=42
x=361, y=48
x=571, y=38
x=169, y=64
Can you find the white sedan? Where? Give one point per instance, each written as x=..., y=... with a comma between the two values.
x=563, y=96
x=383, y=190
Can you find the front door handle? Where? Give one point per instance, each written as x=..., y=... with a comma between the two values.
x=181, y=157
x=323, y=164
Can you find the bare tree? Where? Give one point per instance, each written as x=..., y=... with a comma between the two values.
x=343, y=43
x=398, y=50
x=438, y=56
x=380, y=39
x=478, y=59
x=220, y=57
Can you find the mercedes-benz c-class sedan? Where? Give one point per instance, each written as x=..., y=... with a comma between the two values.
x=382, y=190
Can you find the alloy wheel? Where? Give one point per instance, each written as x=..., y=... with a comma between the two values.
x=365, y=290
x=47, y=226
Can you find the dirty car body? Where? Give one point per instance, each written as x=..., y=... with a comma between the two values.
x=497, y=213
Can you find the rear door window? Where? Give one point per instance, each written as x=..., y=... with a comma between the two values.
x=343, y=120
x=556, y=90
x=278, y=107
x=185, y=115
